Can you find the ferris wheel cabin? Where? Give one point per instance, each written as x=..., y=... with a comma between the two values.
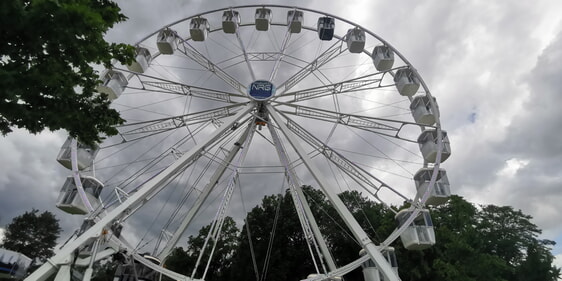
x=141, y=61
x=370, y=270
x=440, y=192
x=419, y=234
x=13, y=265
x=167, y=41
x=428, y=145
x=263, y=19
x=85, y=154
x=406, y=82
x=198, y=29
x=294, y=21
x=69, y=200
x=113, y=83
x=325, y=28
x=355, y=39
x=230, y=21
x=383, y=58
x=422, y=110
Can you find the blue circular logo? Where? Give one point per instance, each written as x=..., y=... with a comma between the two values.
x=261, y=90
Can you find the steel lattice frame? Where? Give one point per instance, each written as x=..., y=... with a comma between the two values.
x=204, y=98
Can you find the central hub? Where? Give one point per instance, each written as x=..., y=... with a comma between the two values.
x=261, y=90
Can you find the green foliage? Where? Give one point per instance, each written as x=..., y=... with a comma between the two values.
x=538, y=263
x=33, y=234
x=474, y=243
x=280, y=256
x=47, y=50
x=183, y=261
x=480, y=243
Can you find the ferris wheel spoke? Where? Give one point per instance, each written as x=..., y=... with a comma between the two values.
x=142, y=195
x=364, y=178
x=245, y=54
x=363, y=83
x=136, y=130
x=307, y=220
x=280, y=55
x=205, y=192
x=340, y=207
x=157, y=84
x=381, y=126
x=192, y=53
x=331, y=53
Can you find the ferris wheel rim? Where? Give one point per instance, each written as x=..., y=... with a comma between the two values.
x=416, y=209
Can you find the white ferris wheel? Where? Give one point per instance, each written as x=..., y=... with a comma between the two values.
x=227, y=106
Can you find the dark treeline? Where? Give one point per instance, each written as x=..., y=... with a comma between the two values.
x=474, y=242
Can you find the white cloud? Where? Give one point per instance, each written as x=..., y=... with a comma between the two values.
x=512, y=166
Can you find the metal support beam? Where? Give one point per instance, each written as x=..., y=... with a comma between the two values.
x=53, y=263
x=300, y=198
x=204, y=194
x=345, y=214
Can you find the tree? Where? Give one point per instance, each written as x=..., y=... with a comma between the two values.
x=183, y=261
x=374, y=218
x=474, y=243
x=458, y=253
x=538, y=264
x=290, y=258
x=279, y=247
x=33, y=234
x=46, y=56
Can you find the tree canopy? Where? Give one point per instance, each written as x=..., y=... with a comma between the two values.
x=474, y=243
x=33, y=234
x=183, y=261
x=47, y=53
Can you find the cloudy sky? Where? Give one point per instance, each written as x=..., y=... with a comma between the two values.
x=493, y=66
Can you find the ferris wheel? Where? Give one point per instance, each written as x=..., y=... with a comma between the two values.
x=227, y=106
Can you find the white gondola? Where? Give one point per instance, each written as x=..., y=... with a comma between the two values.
x=263, y=19
x=134, y=270
x=230, y=21
x=294, y=21
x=325, y=28
x=370, y=270
x=422, y=111
x=440, y=192
x=141, y=61
x=428, y=145
x=198, y=29
x=419, y=234
x=113, y=83
x=383, y=58
x=406, y=82
x=355, y=39
x=85, y=154
x=69, y=200
x=13, y=265
x=167, y=41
